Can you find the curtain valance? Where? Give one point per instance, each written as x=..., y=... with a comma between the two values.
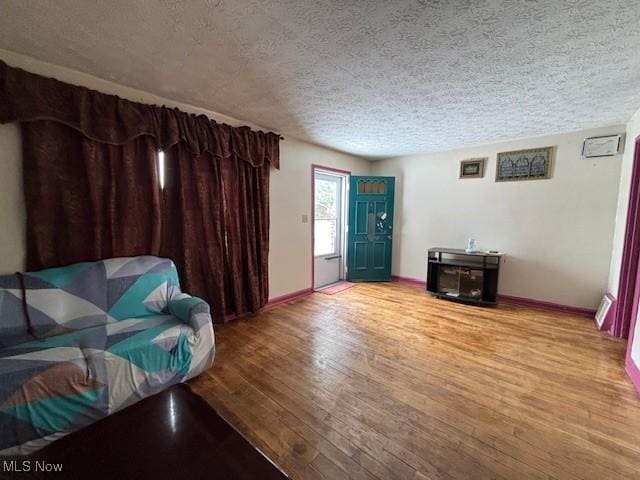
x=27, y=97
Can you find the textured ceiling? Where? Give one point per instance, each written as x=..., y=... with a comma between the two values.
x=373, y=78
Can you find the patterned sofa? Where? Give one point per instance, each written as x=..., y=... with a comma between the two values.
x=98, y=337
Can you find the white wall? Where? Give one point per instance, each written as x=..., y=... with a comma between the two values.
x=633, y=131
x=561, y=255
x=290, y=254
x=290, y=249
x=557, y=234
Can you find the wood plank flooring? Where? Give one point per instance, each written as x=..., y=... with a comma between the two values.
x=383, y=381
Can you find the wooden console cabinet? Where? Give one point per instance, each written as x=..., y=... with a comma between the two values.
x=454, y=274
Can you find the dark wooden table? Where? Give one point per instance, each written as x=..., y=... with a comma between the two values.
x=174, y=434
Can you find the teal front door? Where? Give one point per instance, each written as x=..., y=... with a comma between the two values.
x=370, y=228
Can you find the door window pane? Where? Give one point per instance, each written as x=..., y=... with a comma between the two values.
x=371, y=186
x=325, y=237
x=326, y=217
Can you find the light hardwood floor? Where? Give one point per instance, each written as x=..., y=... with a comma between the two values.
x=383, y=381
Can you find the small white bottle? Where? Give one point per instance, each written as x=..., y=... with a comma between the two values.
x=471, y=246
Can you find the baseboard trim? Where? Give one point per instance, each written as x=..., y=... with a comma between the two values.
x=528, y=302
x=409, y=281
x=633, y=372
x=556, y=307
x=274, y=302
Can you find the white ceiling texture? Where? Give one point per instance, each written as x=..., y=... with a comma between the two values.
x=372, y=78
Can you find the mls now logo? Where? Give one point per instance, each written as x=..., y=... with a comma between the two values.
x=30, y=466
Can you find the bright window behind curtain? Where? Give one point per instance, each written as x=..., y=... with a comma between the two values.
x=161, y=168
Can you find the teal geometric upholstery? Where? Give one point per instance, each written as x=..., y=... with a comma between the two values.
x=104, y=335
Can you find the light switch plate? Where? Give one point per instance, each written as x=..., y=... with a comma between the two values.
x=305, y=219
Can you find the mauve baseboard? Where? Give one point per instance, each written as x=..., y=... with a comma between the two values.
x=633, y=372
x=529, y=302
x=409, y=280
x=556, y=307
x=274, y=302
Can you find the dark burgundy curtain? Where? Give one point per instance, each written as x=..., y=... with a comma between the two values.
x=193, y=224
x=87, y=200
x=92, y=191
x=246, y=197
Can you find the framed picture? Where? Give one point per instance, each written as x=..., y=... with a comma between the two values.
x=604, y=146
x=532, y=164
x=472, y=168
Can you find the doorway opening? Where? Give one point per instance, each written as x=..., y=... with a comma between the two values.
x=629, y=283
x=329, y=225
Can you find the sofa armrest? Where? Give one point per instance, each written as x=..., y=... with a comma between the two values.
x=195, y=312
x=191, y=310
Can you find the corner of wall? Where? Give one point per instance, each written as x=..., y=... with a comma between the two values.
x=632, y=132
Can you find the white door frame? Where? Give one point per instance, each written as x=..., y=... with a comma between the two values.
x=344, y=216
